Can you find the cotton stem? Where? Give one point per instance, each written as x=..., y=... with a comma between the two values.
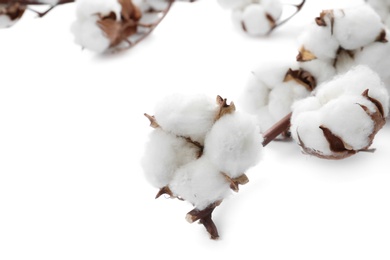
x=277, y=129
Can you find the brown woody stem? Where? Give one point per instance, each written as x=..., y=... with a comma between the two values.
x=205, y=218
x=277, y=129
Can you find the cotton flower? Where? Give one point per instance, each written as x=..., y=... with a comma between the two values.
x=344, y=115
x=199, y=151
x=10, y=14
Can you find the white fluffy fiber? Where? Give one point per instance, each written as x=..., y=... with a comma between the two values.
x=267, y=96
x=382, y=7
x=320, y=41
x=234, y=144
x=186, y=115
x=357, y=27
x=337, y=106
x=164, y=154
x=86, y=30
x=354, y=82
x=376, y=56
x=200, y=183
x=251, y=16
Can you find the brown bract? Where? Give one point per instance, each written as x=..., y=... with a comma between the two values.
x=305, y=55
x=14, y=10
x=302, y=77
x=118, y=29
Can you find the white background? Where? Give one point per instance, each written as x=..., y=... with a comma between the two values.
x=72, y=133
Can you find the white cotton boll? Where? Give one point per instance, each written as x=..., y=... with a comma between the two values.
x=233, y=4
x=88, y=34
x=186, y=115
x=283, y=96
x=358, y=27
x=374, y=56
x=321, y=70
x=254, y=20
x=200, y=183
x=273, y=73
x=88, y=8
x=306, y=132
x=234, y=144
x=346, y=119
x=164, y=154
x=254, y=96
x=320, y=42
x=273, y=8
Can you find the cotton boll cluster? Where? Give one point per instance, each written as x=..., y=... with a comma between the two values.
x=255, y=17
x=199, y=151
x=382, y=7
x=343, y=116
x=271, y=90
x=10, y=14
x=342, y=38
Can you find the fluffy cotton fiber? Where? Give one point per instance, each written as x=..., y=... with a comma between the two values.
x=340, y=120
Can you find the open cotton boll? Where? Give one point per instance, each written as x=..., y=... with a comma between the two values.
x=254, y=20
x=354, y=82
x=358, y=27
x=306, y=132
x=283, y=96
x=319, y=41
x=234, y=144
x=164, y=154
x=233, y=4
x=345, y=112
x=255, y=95
x=88, y=34
x=347, y=120
x=200, y=183
x=381, y=7
x=186, y=115
x=374, y=56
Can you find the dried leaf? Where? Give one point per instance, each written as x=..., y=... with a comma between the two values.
x=224, y=108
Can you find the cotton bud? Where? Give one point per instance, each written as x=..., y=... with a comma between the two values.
x=102, y=24
x=199, y=151
x=10, y=14
x=343, y=117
